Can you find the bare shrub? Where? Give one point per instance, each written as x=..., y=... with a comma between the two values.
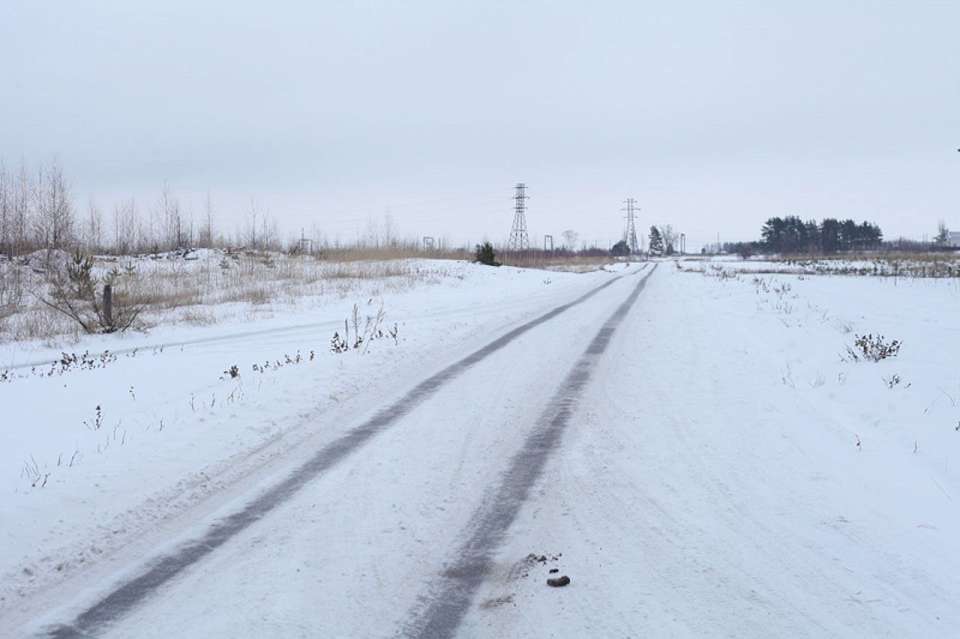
x=32, y=472
x=373, y=329
x=873, y=348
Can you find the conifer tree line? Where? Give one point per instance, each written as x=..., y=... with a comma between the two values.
x=793, y=235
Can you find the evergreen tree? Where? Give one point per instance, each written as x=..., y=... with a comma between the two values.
x=848, y=235
x=620, y=249
x=486, y=254
x=943, y=234
x=869, y=236
x=772, y=234
x=656, y=241
x=830, y=235
x=811, y=236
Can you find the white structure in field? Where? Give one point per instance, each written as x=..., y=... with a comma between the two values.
x=953, y=238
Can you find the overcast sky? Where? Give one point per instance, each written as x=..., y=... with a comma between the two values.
x=714, y=116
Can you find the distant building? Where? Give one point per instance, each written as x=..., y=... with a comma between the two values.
x=953, y=239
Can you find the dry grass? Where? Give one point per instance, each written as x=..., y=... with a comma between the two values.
x=554, y=261
x=177, y=289
x=390, y=253
x=38, y=323
x=198, y=317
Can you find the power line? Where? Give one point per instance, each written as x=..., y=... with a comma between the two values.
x=519, y=240
x=630, y=234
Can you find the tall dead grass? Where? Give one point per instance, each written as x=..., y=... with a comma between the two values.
x=555, y=261
x=185, y=290
x=390, y=253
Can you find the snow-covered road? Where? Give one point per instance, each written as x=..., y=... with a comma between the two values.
x=688, y=449
x=403, y=433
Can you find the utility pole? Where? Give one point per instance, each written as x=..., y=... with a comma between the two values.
x=519, y=240
x=630, y=234
x=306, y=246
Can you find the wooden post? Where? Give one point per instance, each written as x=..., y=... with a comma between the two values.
x=108, y=305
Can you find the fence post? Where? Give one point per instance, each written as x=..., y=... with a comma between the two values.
x=108, y=305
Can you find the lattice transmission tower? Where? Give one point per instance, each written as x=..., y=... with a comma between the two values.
x=519, y=240
x=630, y=234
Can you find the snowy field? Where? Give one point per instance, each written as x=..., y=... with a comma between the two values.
x=896, y=265
x=730, y=468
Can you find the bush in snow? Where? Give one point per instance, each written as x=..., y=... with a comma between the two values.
x=620, y=249
x=873, y=348
x=73, y=292
x=372, y=330
x=486, y=254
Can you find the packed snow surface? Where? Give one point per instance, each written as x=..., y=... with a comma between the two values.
x=729, y=468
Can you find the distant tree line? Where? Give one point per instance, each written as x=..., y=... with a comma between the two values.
x=38, y=211
x=793, y=235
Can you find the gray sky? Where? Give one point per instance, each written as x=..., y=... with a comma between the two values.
x=335, y=113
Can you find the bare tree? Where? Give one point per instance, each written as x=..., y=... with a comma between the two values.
x=171, y=219
x=388, y=230
x=206, y=234
x=53, y=223
x=125, y=226
x=150, y=228
x=371, y=235
x=669, y=238
x=252, y=228
x=269, y=233
x=93, y=233
x=20, y=225
x=6, y=213
x=570, y=238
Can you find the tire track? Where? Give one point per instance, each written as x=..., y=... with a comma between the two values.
x=161, y=570
x=451, y=595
